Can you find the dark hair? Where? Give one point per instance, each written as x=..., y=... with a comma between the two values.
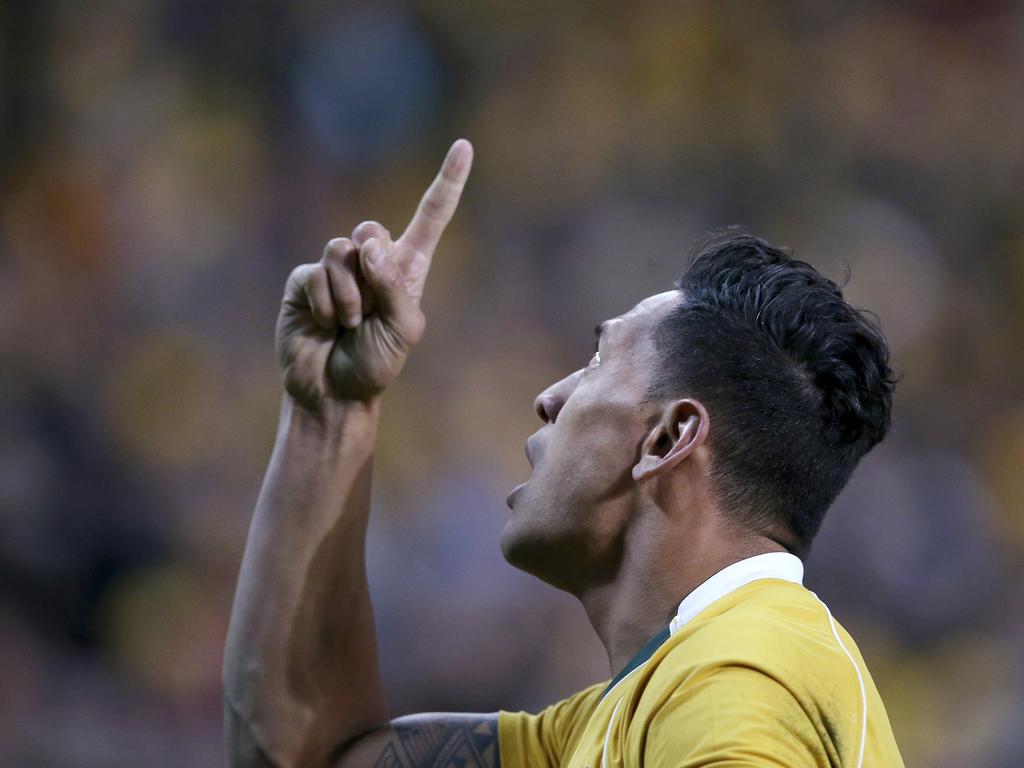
x=796, y=381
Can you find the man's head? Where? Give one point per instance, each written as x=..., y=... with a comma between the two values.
x=753, y=389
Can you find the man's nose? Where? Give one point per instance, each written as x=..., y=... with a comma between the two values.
x=547, y=406
x=549, y=402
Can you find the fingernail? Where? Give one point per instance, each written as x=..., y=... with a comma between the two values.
x=374, y=255
x=354, y=320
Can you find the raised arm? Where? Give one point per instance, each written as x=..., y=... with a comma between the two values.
x=301, y=681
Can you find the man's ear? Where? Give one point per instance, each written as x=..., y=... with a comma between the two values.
x=682, y=428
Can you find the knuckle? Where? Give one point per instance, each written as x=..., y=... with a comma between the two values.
x=337, y=247
x=300, y=274
x=371, y=227
x=434, y=208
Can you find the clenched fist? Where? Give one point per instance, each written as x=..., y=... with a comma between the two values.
x=348, y=322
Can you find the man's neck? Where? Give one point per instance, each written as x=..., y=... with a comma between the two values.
x=653, y=579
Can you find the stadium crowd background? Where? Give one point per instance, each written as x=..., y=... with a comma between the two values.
x=164, y=165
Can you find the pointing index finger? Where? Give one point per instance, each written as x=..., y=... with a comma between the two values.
x=440, y=200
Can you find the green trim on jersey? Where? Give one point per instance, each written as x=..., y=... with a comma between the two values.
x=640, y=657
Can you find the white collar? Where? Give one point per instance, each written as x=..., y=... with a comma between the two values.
x=770, y=565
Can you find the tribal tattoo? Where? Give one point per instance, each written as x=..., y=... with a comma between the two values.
x=432, y=741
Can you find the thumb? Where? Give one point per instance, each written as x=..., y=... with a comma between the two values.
x=384, y=277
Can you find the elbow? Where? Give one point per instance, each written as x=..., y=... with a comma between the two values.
x=255, y=737
x=248, y=743
x=241, y=745
x=268, y=736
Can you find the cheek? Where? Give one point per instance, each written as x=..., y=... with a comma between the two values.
x=595, y=452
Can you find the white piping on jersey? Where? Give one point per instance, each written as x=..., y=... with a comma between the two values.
x=860, y=681
x=769, y=565
x=608, y=733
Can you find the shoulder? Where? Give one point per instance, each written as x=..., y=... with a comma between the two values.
x=777, y=629
x=723, y=717
x=769, y=622
x=768, y=665
x=766, y=669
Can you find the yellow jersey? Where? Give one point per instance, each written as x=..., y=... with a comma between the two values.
x=752, y=671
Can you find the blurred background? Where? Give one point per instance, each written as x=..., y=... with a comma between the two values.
x=165, y=164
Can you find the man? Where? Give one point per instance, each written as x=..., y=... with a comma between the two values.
x=678, y=480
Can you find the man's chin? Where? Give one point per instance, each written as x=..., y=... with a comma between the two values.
x=518, y=536
x=532, y=553
x=510, y=543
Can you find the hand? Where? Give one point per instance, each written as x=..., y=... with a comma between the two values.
x=348, y=322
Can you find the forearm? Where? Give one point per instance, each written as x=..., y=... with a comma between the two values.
x=300, y=671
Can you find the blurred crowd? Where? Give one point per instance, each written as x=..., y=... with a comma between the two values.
x=164, y=164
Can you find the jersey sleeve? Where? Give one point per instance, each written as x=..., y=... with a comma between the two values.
x=732, y=717
x=546, y=739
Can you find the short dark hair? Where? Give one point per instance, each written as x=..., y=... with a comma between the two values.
x=796, y=381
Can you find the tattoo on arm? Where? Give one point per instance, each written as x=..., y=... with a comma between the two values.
x=432, y=741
